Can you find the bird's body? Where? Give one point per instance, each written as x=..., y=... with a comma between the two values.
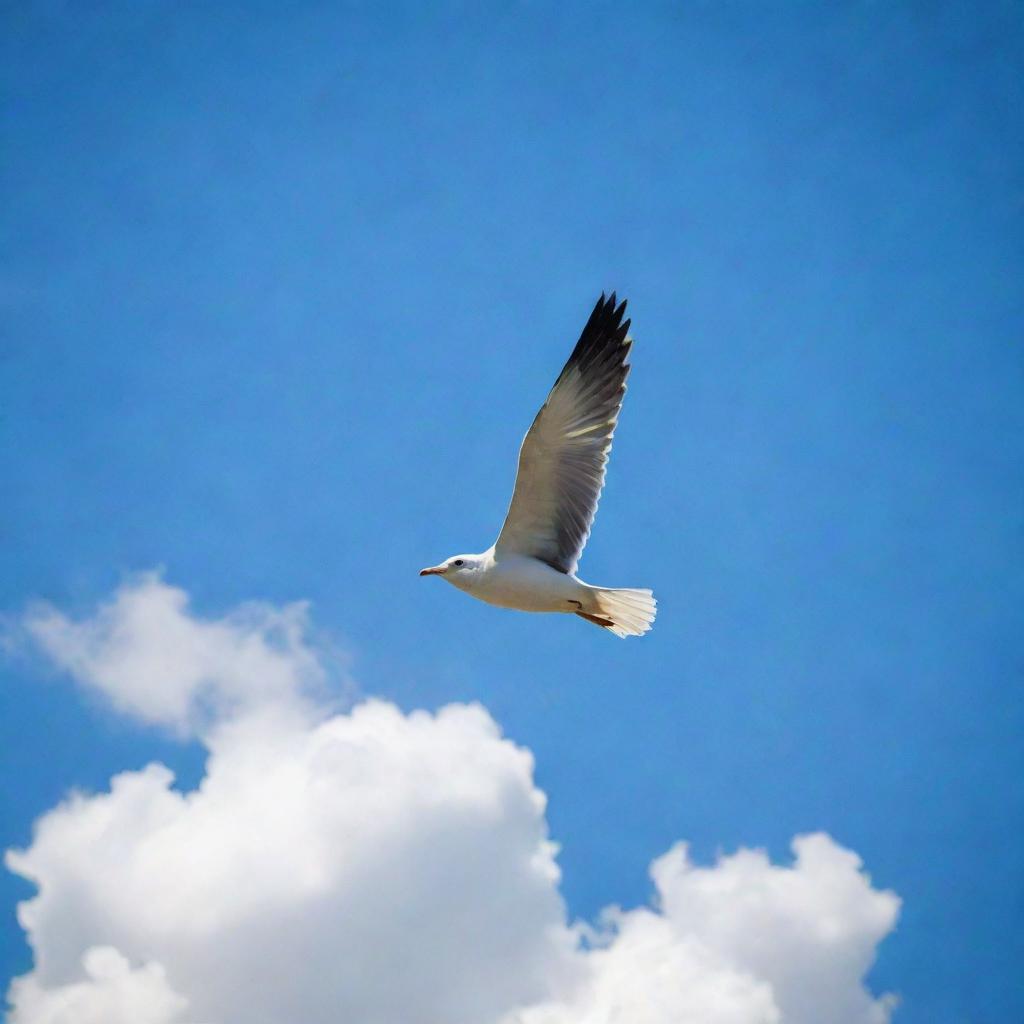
x=518, y=581
x=532, y=565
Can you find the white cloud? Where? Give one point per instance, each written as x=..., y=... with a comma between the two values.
x=350, y=870
x=156, y=661
x=741, y=942
x=111, y=992
x=380, y=867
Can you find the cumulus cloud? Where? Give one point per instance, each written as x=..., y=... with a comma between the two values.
x=110, y=992
x=741, y=942
x=380, y=867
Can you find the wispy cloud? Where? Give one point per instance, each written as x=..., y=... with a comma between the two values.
x=157, y=661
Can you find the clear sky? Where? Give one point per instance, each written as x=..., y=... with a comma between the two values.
x=283, y=285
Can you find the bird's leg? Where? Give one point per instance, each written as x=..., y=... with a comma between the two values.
x=597, y=620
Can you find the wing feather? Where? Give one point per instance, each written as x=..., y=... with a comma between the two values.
x=564, y=454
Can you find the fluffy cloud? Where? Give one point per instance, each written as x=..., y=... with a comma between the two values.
x=376, y=866
x=742, y=942
x=380, y=867
x=111, y=992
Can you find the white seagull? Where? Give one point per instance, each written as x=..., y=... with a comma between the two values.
x=532, y=564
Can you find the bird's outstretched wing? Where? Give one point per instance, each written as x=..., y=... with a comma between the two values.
x=563, y=457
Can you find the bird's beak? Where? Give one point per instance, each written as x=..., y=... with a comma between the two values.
x=434, y=570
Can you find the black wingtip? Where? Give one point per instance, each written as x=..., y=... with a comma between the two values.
x=611, y=313
x=611, y=306
x=604, y=336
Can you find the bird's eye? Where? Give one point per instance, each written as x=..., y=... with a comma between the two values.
x=458, y=561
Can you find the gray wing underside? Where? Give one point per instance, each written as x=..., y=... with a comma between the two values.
x=564, y=454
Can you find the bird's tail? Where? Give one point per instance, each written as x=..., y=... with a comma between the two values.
x=623, y=612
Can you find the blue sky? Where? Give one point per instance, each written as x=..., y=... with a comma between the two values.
x=282, y=289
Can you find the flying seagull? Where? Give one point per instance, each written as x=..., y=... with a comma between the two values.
x=532, y=564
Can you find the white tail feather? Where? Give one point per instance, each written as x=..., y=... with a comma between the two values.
x=630, y=612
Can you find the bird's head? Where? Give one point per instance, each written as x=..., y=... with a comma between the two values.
x=458, y=570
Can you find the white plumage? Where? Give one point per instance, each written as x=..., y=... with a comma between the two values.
x=532, y=565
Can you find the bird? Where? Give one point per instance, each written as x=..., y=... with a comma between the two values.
x=532, y=565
